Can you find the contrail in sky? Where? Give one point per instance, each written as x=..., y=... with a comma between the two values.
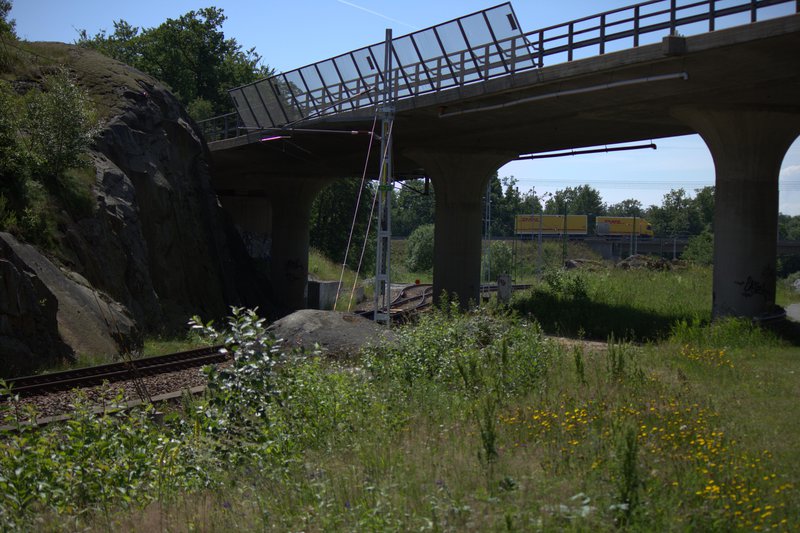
x=376, y=14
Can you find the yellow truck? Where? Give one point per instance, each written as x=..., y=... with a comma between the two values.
x=550, y=225
x=623, y=227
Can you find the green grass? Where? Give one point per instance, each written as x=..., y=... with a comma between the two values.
x=466, y=422
x=639, y=305
x=480, y=423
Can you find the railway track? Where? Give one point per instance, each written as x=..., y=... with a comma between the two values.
x=419, y=297
x=410, y=300
x=128, y=370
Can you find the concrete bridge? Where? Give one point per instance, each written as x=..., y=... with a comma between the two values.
x=462, y=115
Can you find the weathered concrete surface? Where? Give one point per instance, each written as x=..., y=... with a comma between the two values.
x=748, y=144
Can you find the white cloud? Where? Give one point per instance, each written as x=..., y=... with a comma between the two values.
x=791, y=170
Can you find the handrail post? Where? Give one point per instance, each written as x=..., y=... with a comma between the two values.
x=712, y=14
x=602, y=34
x=636, y=26
x=753, y=11
x=570, y=40
x=673, y=8
x=541, y=47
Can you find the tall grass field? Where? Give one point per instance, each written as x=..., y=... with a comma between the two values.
x=481, y=421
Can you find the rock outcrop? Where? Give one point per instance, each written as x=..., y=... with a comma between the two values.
x=28, y=316
x=157, y=247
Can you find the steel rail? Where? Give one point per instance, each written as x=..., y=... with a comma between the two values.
x=96, y=375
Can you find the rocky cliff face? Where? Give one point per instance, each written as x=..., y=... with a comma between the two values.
x=158, y=246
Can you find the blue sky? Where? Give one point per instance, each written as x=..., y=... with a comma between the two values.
x=290, y=34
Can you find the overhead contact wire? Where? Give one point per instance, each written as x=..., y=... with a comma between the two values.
x=369, y=223
x=355, y=213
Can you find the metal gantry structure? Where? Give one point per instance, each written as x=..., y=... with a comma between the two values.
x=383, y=283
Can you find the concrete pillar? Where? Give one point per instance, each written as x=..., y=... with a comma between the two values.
x=291, y=208
x=459, y=181
x=748, y=145
x=253, y=217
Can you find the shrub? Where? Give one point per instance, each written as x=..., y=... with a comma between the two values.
x=59, y=125
x=420, y=249
x=700, y=248
x=499, y=260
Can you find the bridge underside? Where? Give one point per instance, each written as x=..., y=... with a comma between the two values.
x=739, y=88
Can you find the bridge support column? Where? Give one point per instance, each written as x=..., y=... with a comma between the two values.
x=748, y=146
x=253, y=216
x=291, y=210
x=459, y=181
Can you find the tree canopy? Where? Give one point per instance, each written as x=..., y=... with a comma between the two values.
x=191, y=54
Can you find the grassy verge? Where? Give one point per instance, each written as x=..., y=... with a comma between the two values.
x=640, y=305
x=467, y=422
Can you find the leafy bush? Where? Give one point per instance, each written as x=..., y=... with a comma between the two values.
x=500, y=259
x=419, y=250
x=59, y=125
x=475, y=351
x=200, y=109
x=44, y=136
x=700, y=248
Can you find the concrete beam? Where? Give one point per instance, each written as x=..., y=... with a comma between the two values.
x=748, y=144
x=459, y=179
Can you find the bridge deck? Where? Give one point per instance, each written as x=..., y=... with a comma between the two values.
x=467, y=50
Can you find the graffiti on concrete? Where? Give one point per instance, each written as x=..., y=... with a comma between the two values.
x=753, y=287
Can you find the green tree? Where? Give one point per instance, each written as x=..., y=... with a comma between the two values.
x=332, y=217
x=7, y=33
x=700, y=248
x=190, y=54
x=789, y=227
x=419, y=251
x=59, y=125
x=499, y=260
x=677, y=215
x=123, y=45
x=704, y=204
x=580, y=200
x=12, y=171
x=506, y=203
x=414, y=205
x=626, y=208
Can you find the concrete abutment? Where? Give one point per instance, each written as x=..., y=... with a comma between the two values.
x=274, y=220
x=748, y=145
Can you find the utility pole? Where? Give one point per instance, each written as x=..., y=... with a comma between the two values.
x=564, y=235
x=383, y=286
x=488, y=231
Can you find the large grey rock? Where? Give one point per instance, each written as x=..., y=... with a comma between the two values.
x=29, y=336
x=156, y=249
x=88, y=321
x=335, y=332
x=159, y=243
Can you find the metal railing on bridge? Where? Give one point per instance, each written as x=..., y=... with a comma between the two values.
x=470, y=49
